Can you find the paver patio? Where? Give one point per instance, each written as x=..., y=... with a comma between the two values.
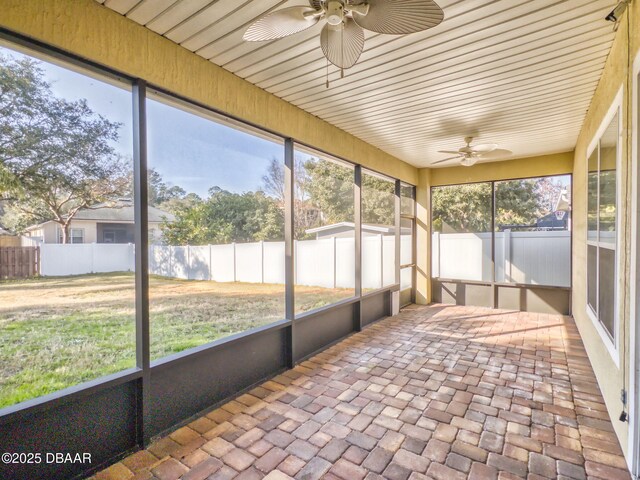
x=442, y=392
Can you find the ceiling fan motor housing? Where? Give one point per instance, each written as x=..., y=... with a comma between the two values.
x=335, y=13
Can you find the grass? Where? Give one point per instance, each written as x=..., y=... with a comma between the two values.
x=58, y=332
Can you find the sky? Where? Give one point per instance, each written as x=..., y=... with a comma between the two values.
x=186, y=149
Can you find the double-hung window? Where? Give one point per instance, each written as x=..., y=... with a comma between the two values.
x=602, y=220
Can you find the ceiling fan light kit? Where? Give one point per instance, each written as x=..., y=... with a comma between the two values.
x=342, y=37
x=334, y=13
x=470, y=154
x=468, y=162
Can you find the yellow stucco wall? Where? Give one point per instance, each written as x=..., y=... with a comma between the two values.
x=616, y=75
x=423, y=237
x=92, y=31
x=540, y=166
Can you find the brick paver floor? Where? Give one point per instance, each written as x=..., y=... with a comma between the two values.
x=438, y=392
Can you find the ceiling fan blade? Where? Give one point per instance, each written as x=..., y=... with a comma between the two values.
x=281, y=23
x=446, y=160
x=497, y=153
x=342, y=46
x=400, y=17
x=484, y=148
x=452, y=152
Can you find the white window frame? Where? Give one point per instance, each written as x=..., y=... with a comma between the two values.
x=71, y=231
x=633, y=450
x=76, y=230
x=612, y=344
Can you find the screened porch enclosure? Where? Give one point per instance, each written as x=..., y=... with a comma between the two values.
x=220, y=267
x=251, y=261
x=503, y=244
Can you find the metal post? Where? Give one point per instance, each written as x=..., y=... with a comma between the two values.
x=397, y=225
x=395, y=294
x=141, y=257
x=289, y=248
x=357, y=220
x=494, y=289
x=414, y=245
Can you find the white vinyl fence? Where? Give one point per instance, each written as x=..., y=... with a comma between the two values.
x=326, y=263
x=535, y=258
x=78, y=259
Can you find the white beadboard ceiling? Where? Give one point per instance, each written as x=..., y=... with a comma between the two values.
x=519, y=73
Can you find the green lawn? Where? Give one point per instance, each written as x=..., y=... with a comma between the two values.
x=58, y=332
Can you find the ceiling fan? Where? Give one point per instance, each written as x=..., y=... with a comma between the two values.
x=342, y=37
x=469, y=155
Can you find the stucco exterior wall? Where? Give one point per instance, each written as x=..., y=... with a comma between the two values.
x=556, y=164
x=92, y=31
x=423, y=237
x=616, y=75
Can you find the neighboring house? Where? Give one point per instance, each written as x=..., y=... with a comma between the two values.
x=346, y=229
x=103, y=223
x=559, y=219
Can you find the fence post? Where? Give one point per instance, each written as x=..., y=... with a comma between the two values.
x=210, y=264
x=189, y=262
x=262, y=260
x=506, y=249
x=93, y=258
x=435, y=261
x=381, y=260
x=234, y=263
x=295, y=264
x=335, y=261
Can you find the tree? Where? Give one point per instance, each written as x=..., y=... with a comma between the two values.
x=467, y=208
x=161, y=192
x=517, y=203
x=226, y=217
x=462, y=208
x=324, y=194
x=330, y=189
x=56, y=155
x=305, y=215
x=378, y=200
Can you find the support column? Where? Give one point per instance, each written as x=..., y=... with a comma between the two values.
x=357, y=213
x=289, y=277
x=141, y=257
x=423, y=237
